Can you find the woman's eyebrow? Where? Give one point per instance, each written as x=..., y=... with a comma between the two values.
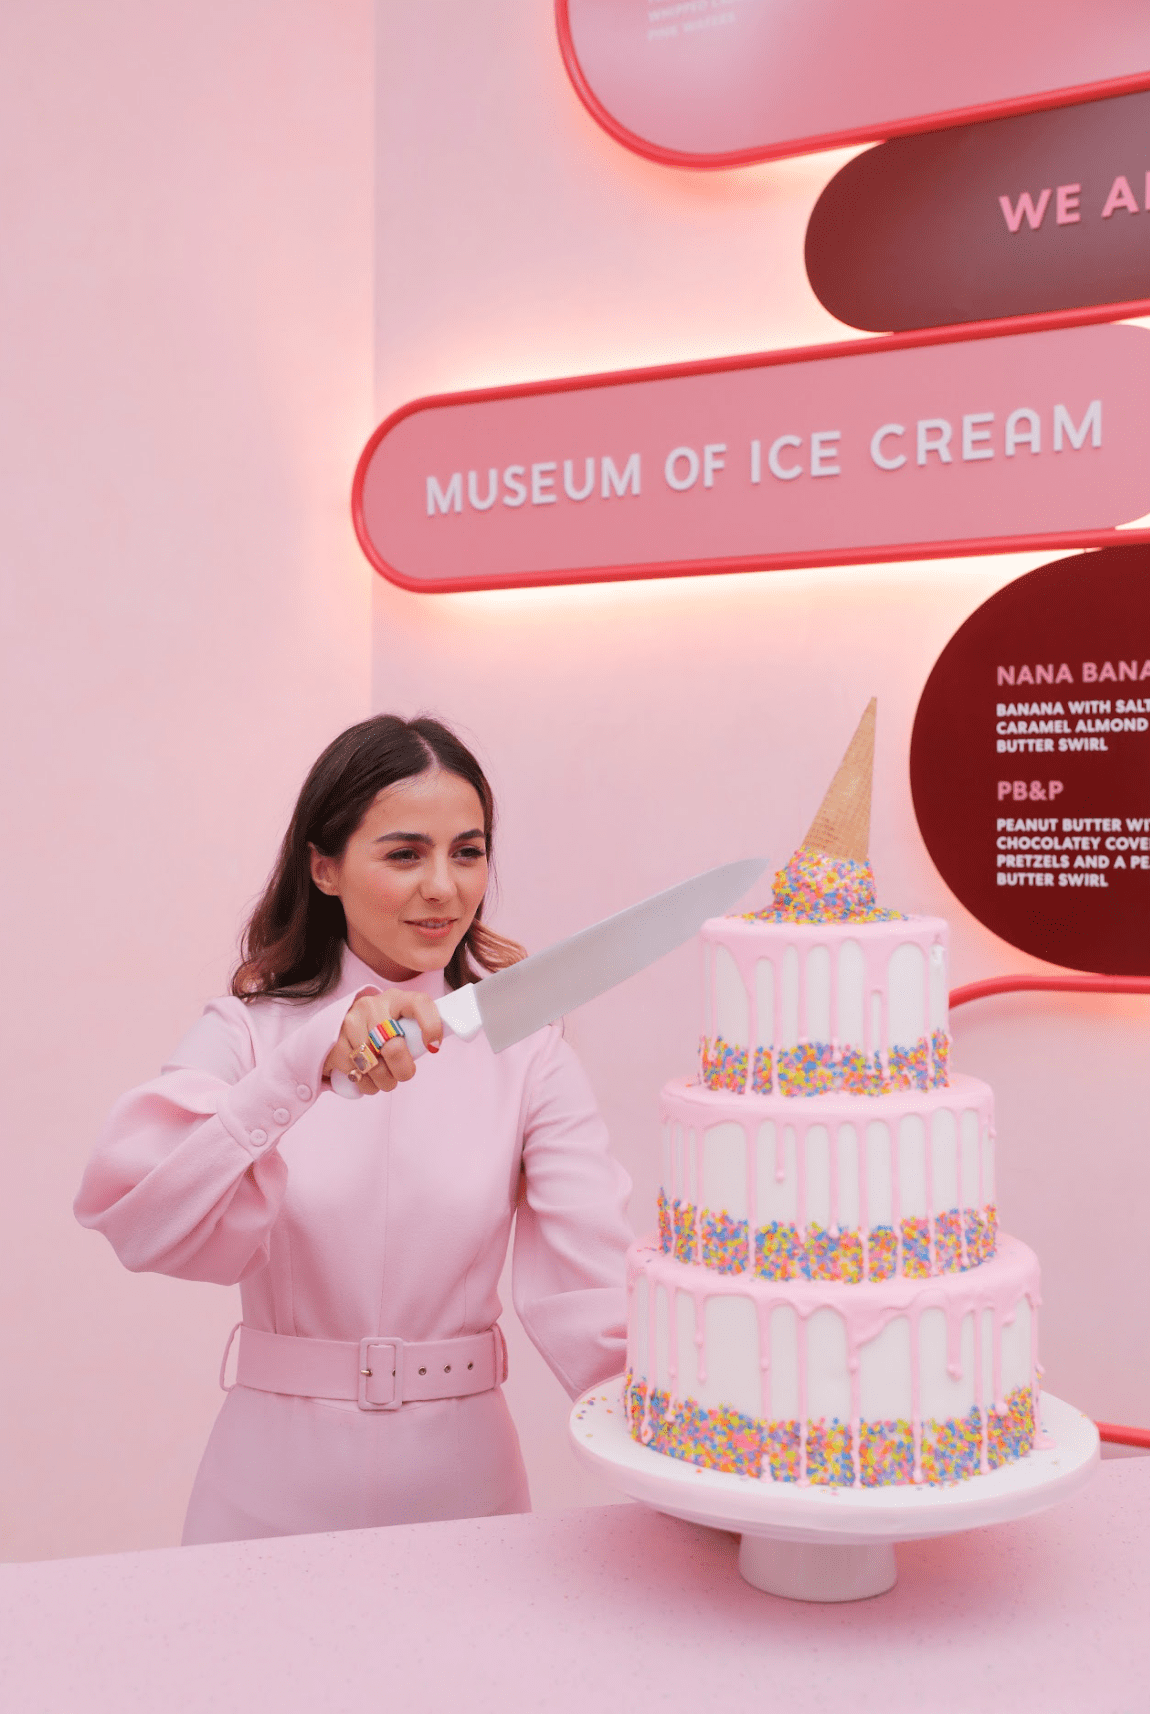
x=426, y=839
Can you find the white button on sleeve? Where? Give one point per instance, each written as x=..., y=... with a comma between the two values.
x=257, y=1136
x=281, y=1116
x=303, y=1091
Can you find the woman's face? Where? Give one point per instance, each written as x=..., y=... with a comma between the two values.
x=412, y=876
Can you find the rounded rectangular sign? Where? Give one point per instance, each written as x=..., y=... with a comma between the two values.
x=1044, y=211
x=719, y=82
x=906, y=447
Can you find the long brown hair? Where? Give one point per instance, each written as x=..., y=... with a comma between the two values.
x=294, y=940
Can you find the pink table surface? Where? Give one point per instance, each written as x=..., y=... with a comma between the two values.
x=611, y=1607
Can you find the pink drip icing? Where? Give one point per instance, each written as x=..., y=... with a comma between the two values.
x=864, y=1194
x=751, y=1146
x=893, y=1134
x=833, y=1147
x=914, y=1318
x=1042, y=1441
x=802, y=1343
x=645, y=1429
x=628, y=1412
x=953, y=1344
x=700, y=1297
x=684, y=1163
x=672, y=1353
x=670, y=1190
x=763, y=1320
x=928, y=1172
x=799, y=1133
x=856, y=1414
x=980, y=1395
x=926, y=1029
x=960, y=1151
x=697, y=1164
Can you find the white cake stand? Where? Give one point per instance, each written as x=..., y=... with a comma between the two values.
x=821, y=1543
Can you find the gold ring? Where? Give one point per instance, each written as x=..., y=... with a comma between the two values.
x=364, y=1058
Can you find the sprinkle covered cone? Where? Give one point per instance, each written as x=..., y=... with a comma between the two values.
x=842, y=826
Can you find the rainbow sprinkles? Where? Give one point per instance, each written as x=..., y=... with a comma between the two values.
x=813, y=887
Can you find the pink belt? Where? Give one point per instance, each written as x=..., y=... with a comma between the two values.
x=378, y=1373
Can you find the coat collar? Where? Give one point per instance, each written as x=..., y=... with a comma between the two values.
x=355, y=974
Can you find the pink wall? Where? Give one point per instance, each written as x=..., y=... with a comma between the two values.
x=185, y=201
x=639, y=732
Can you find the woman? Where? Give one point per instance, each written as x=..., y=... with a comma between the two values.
x=368, y=1236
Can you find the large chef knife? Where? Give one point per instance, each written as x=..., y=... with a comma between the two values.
x=515, y=1002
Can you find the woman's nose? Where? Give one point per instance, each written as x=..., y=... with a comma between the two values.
x=437, y=882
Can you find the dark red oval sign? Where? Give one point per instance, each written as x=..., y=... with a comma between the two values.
x=1047, y=211
x=1030, y=762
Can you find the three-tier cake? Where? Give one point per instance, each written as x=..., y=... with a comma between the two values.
x=828, y=1298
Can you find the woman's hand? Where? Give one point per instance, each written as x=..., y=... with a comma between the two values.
x=395, y=1062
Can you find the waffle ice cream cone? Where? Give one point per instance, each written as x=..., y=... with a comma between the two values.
x=842, y=826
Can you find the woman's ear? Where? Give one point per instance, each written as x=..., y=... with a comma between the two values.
x=324, y=872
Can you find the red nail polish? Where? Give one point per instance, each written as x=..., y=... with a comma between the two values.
x=433, y=1047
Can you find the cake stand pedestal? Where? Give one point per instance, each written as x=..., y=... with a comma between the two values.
x=821, y=1543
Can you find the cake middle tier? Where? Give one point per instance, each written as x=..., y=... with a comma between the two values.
x=837, y=1187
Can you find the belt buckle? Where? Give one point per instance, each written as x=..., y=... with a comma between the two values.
x=368, y=1367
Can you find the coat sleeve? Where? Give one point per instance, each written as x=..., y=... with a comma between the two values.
x=571, y=1231
x=186, y=1177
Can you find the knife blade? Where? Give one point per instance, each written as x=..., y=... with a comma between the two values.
x=513, y=1003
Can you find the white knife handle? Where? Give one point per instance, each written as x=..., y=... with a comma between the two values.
x=460, y=1014
x=413, y=1036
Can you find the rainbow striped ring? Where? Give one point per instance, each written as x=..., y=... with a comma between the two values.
x=380, y=1034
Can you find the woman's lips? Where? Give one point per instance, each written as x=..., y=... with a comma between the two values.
x=432, y=927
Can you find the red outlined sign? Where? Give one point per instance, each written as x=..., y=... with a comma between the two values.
x=724, y=82
x=964, y=441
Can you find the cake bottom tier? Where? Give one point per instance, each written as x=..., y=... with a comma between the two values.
x=876, y=1384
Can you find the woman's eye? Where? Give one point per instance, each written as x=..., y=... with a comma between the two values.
x=471, y=851
x=402, y=856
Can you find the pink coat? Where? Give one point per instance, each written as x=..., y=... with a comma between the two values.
x=385, y=1216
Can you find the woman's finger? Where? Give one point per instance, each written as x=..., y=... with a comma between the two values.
x=422, y=1008
x=395, y=1065
x=378, y=1080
